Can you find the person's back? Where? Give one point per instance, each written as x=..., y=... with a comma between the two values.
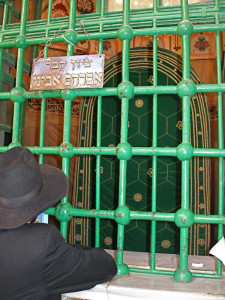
x=35, y=261
x=21, y=259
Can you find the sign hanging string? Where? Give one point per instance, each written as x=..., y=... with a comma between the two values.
x=88, y=36
x=49, y=42
x=57, y=33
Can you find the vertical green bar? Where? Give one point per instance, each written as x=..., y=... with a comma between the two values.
x=217, y=7
x=98, y=157
x=10, y=13
x=4, y=22
x=19, y=72
x=5, y=14
x=21, y=50
x=122, y=268
x=22, y=122
x=38, y=17
x=67, y=113
x=182, y=273
x=220, y=140
x=154, y=144
x=43, y=100
x=42, y=128
x=10, y=19
x=99, y=5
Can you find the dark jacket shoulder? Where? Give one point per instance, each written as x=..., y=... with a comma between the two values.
x=36, y=263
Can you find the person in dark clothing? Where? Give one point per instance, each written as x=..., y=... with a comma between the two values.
x=35, y=261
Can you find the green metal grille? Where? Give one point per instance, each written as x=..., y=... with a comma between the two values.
x=182, y=20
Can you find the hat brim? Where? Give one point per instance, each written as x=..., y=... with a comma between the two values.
x=55, y=187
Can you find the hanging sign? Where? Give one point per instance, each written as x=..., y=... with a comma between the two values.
x=68, y=72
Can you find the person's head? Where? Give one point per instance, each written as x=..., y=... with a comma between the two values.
x=27, y=188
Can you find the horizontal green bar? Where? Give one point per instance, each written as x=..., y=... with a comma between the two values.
x=155, y=31
x=150, y=90
x=138, y=215
x=109, y=214
x=44, y=150
x=11, y=60
x=95, y=151
x=210, y=152
x=209, y=219
x=138, y=90
x=152, y=216
x=112, y=21
x=111, y=26
x=79, y=92
x=210, y=88
x=111, y=33
x=171, y=273
x=150, y=271
x=157, y=151
x=8, y=44
x=205, y=275
x=76, y=212
x=209, y=27
x=35, y=150
x=136, y=151
x=100, y=151
x=81, y=37
x=107, y=91
x=4, y=95
x=5, y=128
x=112, y=91
x=9, y=79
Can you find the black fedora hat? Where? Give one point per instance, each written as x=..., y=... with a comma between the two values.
x=27, y=188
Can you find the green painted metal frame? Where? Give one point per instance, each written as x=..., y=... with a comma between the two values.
x=182, y=20
x=8, y=58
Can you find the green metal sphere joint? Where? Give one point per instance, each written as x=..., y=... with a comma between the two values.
x=125, y=33
x=63, y=212
x=125, y=90
x=186, y=88
x=124, y=151
x=17, y=94
x=122, y=269
x=21, y=42
x=185, y=28
x=70, y=37
x=184, y=218
x=185, y=151
x=69, y=95
x=182, y=275
x=122, y=215
x=66, y=150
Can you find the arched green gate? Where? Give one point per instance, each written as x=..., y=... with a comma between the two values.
x=139, y=176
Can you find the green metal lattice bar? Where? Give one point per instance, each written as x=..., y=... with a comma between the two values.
x=43, y=100
x=140, y=151
x=220, y=139
x=98, y=142
x=67, y=116
x=154, y=144
x=183, y=20
x=112, y=91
